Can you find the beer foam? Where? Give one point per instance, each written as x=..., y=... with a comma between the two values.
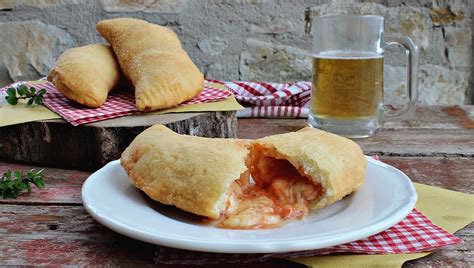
x=348, y=55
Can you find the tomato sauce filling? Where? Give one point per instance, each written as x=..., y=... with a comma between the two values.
x=281, y=192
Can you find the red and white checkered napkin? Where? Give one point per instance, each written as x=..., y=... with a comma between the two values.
x=415, y=233
x=286, y=100
x=119, y=103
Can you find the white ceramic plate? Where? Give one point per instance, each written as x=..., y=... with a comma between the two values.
x=386, y=198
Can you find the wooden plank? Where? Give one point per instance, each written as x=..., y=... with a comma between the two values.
x=63, y=186
x=411, y=142
x=422, y=137
x=421, y=142
x=55, y=143
x=31, y=235
x=63, y=235
x=255, y=128
x=455, y=173
x=425, y=117
x=437, y=117
x=396, y=142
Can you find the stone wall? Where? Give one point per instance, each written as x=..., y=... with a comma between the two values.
x=249, y=39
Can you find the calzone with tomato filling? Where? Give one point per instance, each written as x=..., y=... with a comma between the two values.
x=291, y=174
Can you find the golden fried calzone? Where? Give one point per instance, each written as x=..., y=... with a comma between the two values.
x=334, y=163
x=292, y=174
x=152, y=58
x=86, y=74
x=191, y=173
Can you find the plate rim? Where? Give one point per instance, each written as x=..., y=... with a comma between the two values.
x=225, y=246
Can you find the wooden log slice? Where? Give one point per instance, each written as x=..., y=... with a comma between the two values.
x=56, y=143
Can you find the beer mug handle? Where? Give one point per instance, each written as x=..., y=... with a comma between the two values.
x=412, y=75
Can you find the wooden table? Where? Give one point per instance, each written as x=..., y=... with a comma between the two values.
x=50, y=226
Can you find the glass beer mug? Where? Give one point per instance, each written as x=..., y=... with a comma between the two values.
x=348, y=58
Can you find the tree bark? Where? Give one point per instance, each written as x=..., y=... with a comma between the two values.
x=55, y=143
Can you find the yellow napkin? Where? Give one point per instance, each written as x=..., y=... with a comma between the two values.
x=21, y=113
x=448, y=209
x=229, y=104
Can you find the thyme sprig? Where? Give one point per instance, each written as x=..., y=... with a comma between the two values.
x=23, y=92
x=12, y=183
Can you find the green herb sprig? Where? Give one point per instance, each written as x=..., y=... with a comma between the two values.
x=23, y=92
x=12, y=183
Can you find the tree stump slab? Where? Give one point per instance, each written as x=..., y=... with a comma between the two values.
x=56, y=143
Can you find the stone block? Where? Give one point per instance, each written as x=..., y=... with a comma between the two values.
x=150, y=6
x=262, y=61
x=12, y=4
x=458, y=46
x=404, y=20
x=408, y=21
x=30, y=48
x=442, y=86
x=395, y=90
x=212, y=46
x=274, y=26
x=437, y=85
x=216, y=35
x=436, y=51
x=7, y=4
x=227, y=68
x=446, y=16
x=348, y=7
x=239, y=2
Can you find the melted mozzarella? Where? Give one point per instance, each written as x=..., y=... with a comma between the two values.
x=257, y=207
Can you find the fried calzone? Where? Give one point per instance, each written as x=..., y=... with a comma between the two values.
x=291, y=174
x=191, y=173
x=86, y=74
x=152, y=58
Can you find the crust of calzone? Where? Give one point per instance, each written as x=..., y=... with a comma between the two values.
x=86, y=74
x=334, y=162
x=152, y=58
x=192, y=173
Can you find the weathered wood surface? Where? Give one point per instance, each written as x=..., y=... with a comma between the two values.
x=406, y=142
x=51, y=227
x=434, y=131
x=63, y=186
x=67, y=235
x=453, y=173
x=55, y=143
x=426, y=117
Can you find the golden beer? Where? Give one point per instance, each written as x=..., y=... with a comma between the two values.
x=347, y=86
